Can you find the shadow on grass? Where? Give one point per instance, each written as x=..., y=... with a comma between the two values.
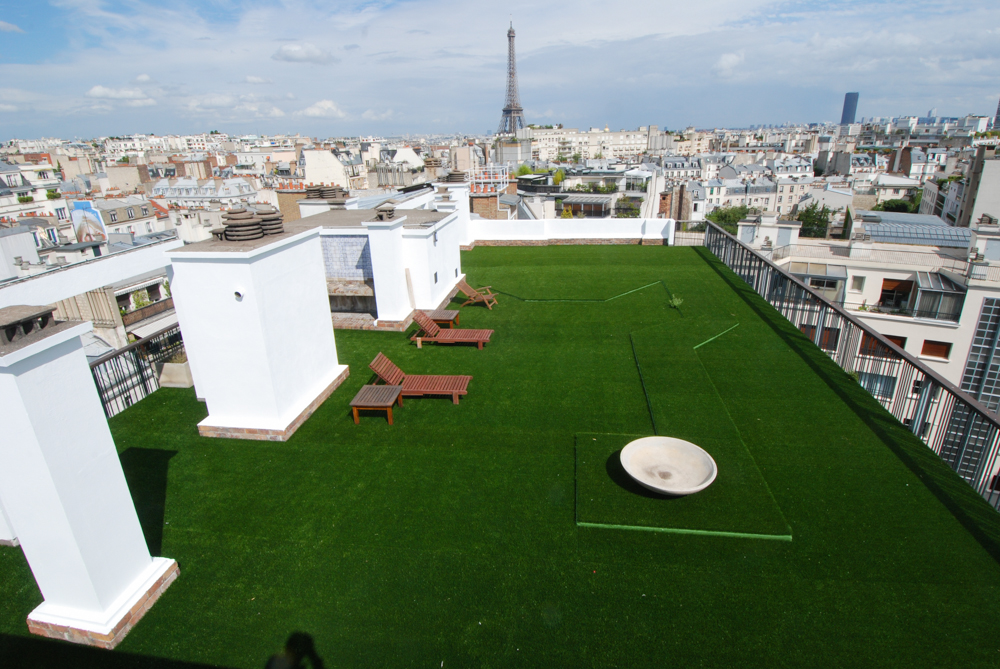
x=621, y=478
x=146, y=474
x=38, y=653
x=967, y=507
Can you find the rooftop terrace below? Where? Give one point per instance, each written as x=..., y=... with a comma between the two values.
x=502, y=532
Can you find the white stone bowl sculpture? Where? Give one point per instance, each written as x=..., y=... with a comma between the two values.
x=669, y=466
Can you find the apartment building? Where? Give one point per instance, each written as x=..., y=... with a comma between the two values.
x=909, y=277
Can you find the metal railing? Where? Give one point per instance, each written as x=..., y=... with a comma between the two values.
x=864, y=309
x=984, y=272
x=689, y=239
x=125, y=376
x=133, y=317
x=963, y=432
x=834, y=252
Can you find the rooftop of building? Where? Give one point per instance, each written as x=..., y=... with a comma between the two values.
x=335, y=218
x=503, y=532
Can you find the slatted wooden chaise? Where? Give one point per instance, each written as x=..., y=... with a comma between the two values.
x=484, y=294
x=419, y=385
x=429, y=331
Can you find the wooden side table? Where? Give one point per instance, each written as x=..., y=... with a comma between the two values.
x=376, y=398
x=447, y=317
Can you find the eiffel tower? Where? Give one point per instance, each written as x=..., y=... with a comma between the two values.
x=513, y=115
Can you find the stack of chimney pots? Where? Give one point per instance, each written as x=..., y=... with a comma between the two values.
x=326, y=193
x=270, y=220
x=242, y=225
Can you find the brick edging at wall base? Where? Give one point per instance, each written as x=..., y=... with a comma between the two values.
x=121, y=629
x=274, y=435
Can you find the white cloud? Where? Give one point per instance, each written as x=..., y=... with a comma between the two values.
x=142, y=78
x=9, y=28
x=324, y=109
x=372, y=115
x=251, y=79
x=275, y=113
x=145, y=102
x=303, y=52
x=212, y=101
x=727, y=63
x=105, y=93
x=8, y=108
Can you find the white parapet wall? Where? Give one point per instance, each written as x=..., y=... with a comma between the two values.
x=257, y=331
x=92, y=274
x=63, y=488
x=581, y=230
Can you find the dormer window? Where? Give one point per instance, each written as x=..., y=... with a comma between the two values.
x=113, y=215
x=130, y=212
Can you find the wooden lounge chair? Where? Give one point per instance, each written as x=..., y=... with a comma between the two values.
x=429, y=331
x=418, y=385
x=484, y=294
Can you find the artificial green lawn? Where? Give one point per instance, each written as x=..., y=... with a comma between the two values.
x=451, y=537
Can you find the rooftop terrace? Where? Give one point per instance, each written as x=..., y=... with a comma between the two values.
x=502, y=532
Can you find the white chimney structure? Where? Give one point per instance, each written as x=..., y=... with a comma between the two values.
x=257, y=331
x=63, y=489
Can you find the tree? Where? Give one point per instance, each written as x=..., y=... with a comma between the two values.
x=567, y=212
x=558, y=177
x=626, y=209
x=577, y=157
x=727, y=218
x=815, y=220
x=523, y=170
x=897, y=206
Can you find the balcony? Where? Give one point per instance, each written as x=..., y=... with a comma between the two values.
x=502, y=532
x=954, y=261
x=905, y=312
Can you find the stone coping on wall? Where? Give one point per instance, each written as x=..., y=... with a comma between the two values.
x=264, y=434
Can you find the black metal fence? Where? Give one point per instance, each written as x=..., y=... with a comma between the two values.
x=963, y=432
x=125, y=376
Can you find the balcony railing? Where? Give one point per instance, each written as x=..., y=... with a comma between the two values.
x=963, y=432
x=881, y=256
x=984, y=272
x=539, y=188
x=125, y=376
x=145, y=312
x=865, y=309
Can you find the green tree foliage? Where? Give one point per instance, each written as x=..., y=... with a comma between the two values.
x=626, y=209
x=898, y=206
x=558, y=177
x=727, y=218
x=523, y=170
x=566, y=213
x=576, y=157
x=52, y=194
x=815, y=220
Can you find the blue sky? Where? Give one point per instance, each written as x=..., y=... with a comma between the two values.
x=83, y=68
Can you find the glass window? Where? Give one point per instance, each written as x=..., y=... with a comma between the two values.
x=130, y=212
x=113, y=215
x=936, y=349
x=873, y=347
x=879, y=385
